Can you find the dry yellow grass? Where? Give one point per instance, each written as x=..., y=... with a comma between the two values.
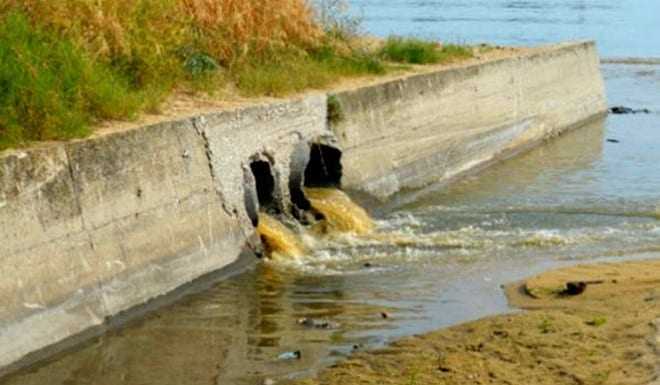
x=225, y=29
x=241, y=27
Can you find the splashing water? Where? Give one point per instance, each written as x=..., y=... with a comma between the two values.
x=280, y=242
x=341, y=213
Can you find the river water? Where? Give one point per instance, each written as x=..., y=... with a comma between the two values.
x=623, y=28
x=436, y=261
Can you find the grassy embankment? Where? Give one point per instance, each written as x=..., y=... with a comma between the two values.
x=67, y=65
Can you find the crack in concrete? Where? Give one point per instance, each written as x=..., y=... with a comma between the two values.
x=199, y=124
x=75, y=189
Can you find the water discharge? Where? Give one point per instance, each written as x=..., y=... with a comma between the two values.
x=279, y=241
x=340, y=213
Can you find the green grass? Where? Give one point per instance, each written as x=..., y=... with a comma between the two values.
x=51, y=90
x=285, y=73
x=417, y=51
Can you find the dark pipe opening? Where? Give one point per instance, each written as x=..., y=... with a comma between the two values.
x=324, y=167
x=260, y=191
x=264, y=181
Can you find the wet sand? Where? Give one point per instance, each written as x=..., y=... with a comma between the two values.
x=606, y=334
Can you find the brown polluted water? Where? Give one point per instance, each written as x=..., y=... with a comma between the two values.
x=279, y=241
x=340, y=213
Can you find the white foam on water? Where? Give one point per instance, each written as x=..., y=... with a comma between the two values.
x=399, y=220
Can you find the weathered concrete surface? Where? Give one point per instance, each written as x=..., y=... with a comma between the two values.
x=94, y=227
x=425, y=128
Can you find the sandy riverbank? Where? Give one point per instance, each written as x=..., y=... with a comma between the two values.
x=604, y=335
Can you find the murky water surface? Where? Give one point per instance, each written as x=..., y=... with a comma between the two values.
x=434, y=262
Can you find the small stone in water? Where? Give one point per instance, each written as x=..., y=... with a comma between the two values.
x=628, y=110
x=575, y=288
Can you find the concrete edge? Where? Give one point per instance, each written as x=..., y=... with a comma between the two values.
x=538, y=52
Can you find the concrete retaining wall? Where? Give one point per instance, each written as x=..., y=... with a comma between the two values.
x=425, y=128
x=94, y=227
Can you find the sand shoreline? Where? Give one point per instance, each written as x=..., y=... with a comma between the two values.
x=607, y=334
